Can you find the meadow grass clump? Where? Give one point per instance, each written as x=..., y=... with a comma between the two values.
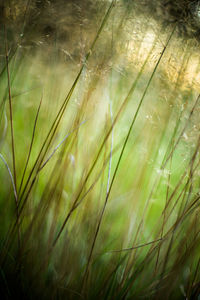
x=99, y=155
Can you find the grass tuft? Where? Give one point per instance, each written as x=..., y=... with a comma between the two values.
x=102, y=199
